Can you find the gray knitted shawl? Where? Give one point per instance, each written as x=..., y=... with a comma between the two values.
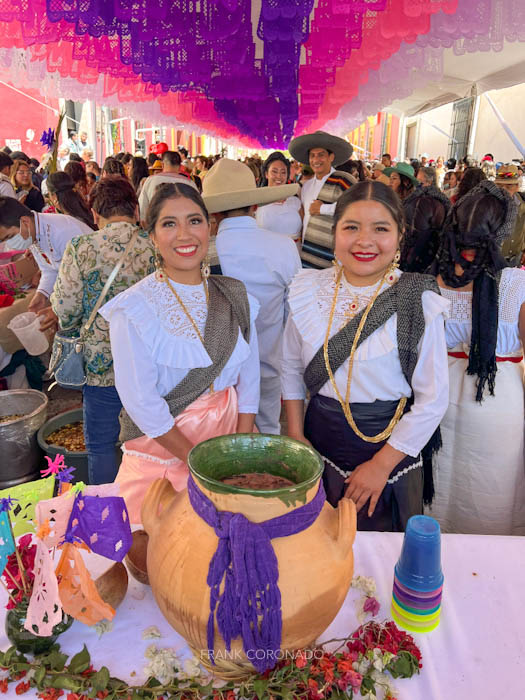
x=228, y=312
x=403, y=298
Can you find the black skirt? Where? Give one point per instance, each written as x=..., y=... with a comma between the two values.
x=327, y=429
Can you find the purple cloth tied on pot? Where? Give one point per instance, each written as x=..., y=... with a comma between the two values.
x=102, y=522
x=250, y=604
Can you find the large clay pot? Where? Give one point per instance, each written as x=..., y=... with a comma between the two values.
x=315, y=565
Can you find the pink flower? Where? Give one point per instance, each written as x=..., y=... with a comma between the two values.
x=371, y=606
x=354, y=679
x=53, y=465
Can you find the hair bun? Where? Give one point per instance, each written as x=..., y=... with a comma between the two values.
x=66, y=187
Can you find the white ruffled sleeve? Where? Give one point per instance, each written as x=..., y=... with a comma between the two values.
x=248, y=384
x=136, y=377
x=292, y=365
x=302, y=328
x=429, y=381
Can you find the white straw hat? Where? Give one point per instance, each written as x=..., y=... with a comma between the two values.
x=231, y=185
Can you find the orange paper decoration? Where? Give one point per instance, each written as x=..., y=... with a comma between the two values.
x=78, y=592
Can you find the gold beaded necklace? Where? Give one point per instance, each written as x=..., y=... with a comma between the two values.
x=345, y=403
x=188, y=315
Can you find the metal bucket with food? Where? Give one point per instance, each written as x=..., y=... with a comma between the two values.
x=22, y=413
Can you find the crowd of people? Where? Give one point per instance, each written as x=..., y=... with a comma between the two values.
x=381, y=303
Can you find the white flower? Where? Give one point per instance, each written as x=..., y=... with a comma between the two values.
x=363, y=666
x=103, y=626
x=151, y=632
x=163, y=664
x=192, y=669
x=378, y=660
x=365, y=584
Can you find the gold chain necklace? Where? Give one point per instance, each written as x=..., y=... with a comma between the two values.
x=345, y=404
x=188, y=315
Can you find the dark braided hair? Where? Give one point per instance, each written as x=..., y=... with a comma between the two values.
x=479, y=221
x=69, y=200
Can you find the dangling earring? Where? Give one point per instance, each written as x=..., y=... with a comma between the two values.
x=159, y=272
x=391, y=275
x=336, y=263
x=205, y=269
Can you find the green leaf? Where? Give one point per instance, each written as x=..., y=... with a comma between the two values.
x=401, y=667
x=206, y=689
x=259, y=686
x=117, y=684
x=8, y=656
x=56, y=660
x=39, y=676
x=153, y=683
x=21, y=667
x=80, y=662
x=65, y=683
x=100, y=680
x=367, y=685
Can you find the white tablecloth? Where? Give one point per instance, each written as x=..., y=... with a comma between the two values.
x=476, y=653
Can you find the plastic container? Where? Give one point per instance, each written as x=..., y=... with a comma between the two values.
x=414, y=623
x=419, y=565
x=78, y=460
x=421, y=595
x=20, y=455
x=415, y=600
x=26, y=327
x=415, y=609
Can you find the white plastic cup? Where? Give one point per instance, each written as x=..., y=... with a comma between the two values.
x=26, y=327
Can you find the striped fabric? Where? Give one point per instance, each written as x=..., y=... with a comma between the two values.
x=318, y=244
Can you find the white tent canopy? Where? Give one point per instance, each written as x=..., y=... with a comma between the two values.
x=483, y=71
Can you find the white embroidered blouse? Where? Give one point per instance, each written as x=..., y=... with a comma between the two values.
x=458, y=327
x=154, y=346
x=377, y=373
x=281, y=217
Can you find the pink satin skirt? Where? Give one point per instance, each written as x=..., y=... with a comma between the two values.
x=144, y=460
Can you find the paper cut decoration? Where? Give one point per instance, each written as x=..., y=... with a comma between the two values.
x=102, y=524
x=7, y=545
x=45, y=610
x=77, y=590
x=22, y=514
x=58, y=510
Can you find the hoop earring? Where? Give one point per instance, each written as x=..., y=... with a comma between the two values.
x=159, y=272
x=205, y=268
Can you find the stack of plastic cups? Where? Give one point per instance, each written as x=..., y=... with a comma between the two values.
x=418, y=579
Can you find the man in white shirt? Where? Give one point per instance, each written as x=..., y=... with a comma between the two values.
x=83, y=141
x=171, y=162
x=46, y=235
x=321, y=151
x=63, y=157
x=6, y=188
x=74, y=144
x=264, y=261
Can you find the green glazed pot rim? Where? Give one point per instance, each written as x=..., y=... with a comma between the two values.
x=286, y=493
